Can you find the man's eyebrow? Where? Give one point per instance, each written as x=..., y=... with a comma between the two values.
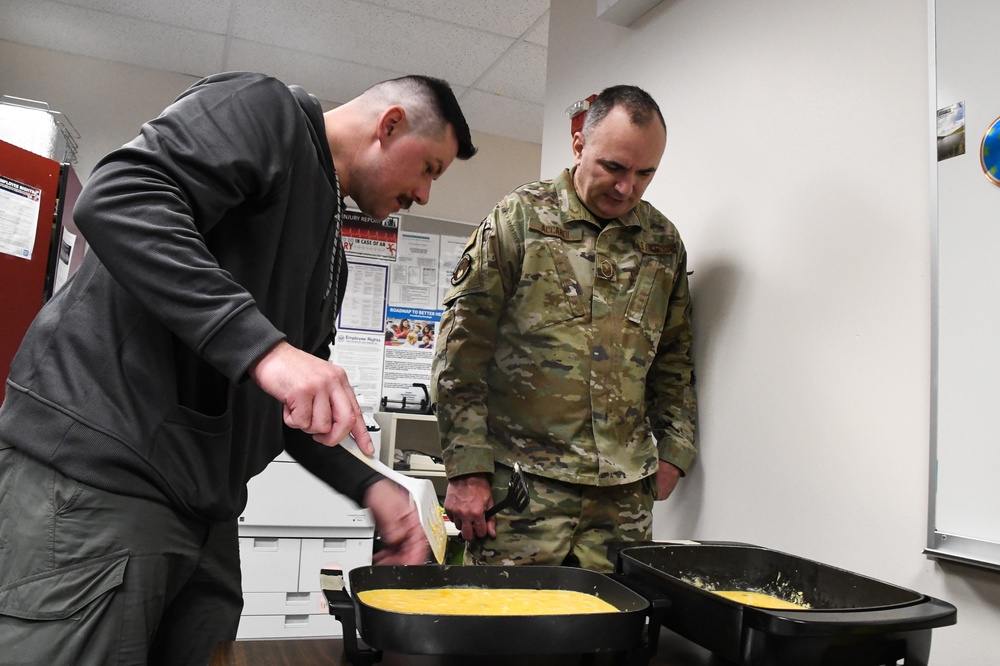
x=618, y=165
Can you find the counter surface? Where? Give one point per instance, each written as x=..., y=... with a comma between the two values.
x=672, y=651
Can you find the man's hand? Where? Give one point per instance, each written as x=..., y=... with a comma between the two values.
x=317, y=396
x=398, y=523
x=667, y=476
x=466, y=502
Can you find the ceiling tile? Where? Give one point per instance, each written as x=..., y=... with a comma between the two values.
x=506, y=17
x=330, y=80
x=366, y=33
x=97, y=34
x=503, y=116
x=194, y=14
x=539, y=33
x=519, y=73
x=493, y=52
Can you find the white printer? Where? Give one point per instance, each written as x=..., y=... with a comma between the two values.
x=293, y=526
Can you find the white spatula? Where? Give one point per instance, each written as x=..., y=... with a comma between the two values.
x=422, y=493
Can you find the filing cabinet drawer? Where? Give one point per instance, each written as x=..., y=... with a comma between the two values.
x=269, y=564
x=284, y=603
x=341, y=553
x=293, y=625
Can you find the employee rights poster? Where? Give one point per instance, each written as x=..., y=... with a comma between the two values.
x=360, y=329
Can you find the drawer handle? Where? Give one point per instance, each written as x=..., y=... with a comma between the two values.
x=300, y=598
x=336, y=545
x=296, y=621
x=265, y=543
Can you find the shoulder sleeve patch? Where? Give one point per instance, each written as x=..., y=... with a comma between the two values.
x=461, y=269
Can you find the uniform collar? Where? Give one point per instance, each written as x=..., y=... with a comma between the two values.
x=573, y=208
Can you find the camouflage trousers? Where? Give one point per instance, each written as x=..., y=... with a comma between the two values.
x=565, y=523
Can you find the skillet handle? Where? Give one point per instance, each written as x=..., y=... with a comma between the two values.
x=658, y=607
x=342, y=607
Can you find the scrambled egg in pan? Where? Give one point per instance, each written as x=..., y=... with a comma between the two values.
x=484, y=601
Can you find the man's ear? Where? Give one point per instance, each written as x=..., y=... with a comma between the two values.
x=578, y=143
x=391, y=122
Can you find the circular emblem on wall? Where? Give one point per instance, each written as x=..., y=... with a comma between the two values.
x=989, y=152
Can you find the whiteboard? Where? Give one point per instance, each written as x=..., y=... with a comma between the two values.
x=964, y=516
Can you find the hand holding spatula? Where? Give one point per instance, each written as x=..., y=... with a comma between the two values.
x=517, y=494
x=423, y=496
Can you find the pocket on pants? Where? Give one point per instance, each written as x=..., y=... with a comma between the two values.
x=61, y=593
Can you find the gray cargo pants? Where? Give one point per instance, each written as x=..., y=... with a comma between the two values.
x=90, y=577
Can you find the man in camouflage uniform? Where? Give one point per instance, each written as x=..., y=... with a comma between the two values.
x=566, y=348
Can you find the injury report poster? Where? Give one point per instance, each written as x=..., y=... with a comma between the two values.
x=364, y=236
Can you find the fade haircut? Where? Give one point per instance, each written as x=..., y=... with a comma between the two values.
x=430, y=105
x=638, y=103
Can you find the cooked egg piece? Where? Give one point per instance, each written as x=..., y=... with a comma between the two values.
x=759, y=599
x=484, y=601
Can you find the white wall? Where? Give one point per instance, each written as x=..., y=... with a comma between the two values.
x=107, y=103
x=797, y=169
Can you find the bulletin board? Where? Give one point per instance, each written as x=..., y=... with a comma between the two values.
x=398, y=273
x=964, y=512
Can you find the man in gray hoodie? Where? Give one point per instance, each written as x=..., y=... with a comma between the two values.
x=190, y=349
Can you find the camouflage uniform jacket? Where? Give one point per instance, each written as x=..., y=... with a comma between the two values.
x=566, y=345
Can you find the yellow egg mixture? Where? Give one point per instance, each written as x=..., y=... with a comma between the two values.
x=484, y=601
x=759, y=599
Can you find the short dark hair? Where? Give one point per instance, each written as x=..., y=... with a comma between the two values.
x=639, y=104
x=452, y=114
x=430, y=104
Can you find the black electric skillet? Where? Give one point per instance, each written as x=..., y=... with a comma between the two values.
x=622, y=632
x=851, y=619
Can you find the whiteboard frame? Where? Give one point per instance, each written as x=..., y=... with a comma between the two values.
x=977, y=552
x=942, y=544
